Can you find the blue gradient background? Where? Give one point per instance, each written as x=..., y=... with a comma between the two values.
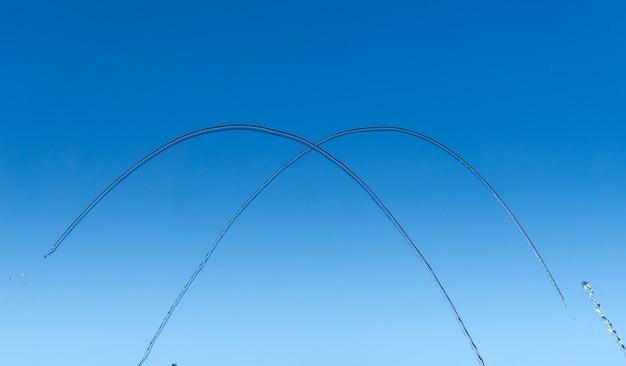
x=531, y=94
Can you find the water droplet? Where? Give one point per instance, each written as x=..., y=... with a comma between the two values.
x=604, y=319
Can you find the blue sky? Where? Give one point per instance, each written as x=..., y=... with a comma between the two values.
x=530, y=94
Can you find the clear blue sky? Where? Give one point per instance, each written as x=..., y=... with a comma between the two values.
x=530, y=93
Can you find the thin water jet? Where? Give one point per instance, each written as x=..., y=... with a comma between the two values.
x=587, y=287
x=281, y=134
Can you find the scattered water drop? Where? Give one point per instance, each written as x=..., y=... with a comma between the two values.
x=587, y=287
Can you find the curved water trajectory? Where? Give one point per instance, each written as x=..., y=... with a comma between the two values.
x=310, y=146
x=423, y=137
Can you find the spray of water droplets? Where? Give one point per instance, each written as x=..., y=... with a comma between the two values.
x=587, y=287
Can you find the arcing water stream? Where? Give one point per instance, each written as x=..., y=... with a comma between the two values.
x=315, y=147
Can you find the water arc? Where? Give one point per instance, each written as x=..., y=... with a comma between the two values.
x=469, y=167
x=310, y=146
x=418, y=135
